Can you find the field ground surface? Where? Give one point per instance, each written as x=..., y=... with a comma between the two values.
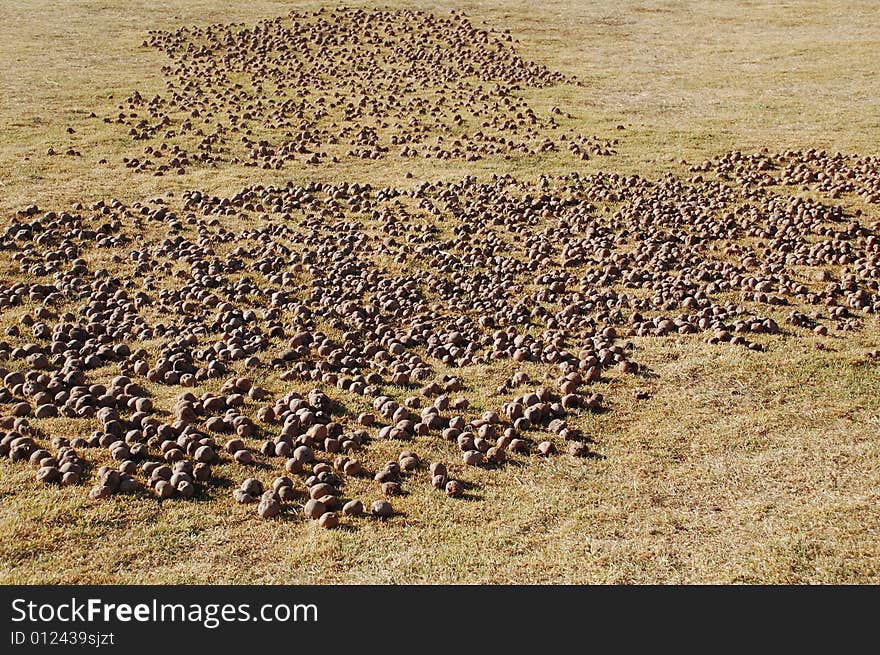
x=713, y=463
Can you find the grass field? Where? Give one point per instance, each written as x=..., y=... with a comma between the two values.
x=739, y=467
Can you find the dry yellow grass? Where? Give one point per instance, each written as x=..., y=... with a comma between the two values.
x=741, y=467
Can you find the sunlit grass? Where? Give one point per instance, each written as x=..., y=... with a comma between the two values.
x=741, y=467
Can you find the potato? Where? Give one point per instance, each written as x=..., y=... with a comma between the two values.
x=303, y=454
x=438, y=481
x=163, y=472
x=38, y=456
x=186, y=489
x=163, y=489
x=268, y=508
x=234, y=445
x=293, y=466
x=472, y=458
x=177, y=478
x=321, y=489
x=110, y=479
x=202, y=472
x=409, y=463
x=328, y=520
x=547, y=448
x=519, y=446
x=482, y=444
x=438, y=468
x=466, y=442
x=381, y=509
x=71, y=467
x=385, y=475
x=391, y=489
x=321, y=468
x=173, y=455
x=286, y=494
x=454, y=489
x=353, y=508
x=330, y=502
x=128, y=466
x=352, y=467
x=579, y=449
x=204, y=454
x=252, y=486
x=48, y=475
x=19, y=453
x=243, y=457
x=282, y=481
x=495, y=455
x=48, y=461
x=313, y=509
x=243, y=497
x=100, y=492
x=128, y=484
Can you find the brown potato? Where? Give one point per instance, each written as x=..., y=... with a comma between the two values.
x=293, y=466
x=202, y=472
x=204, y=454
x=163, y=490
x=281, y=481
x=268, y=508
x=385, y=475
x=547, y=448
x=243, y=457
x=303, y=454
x=409, y=463
x=185, y=489
x=328, y=520
x=101, y=492
x=314, y=509
x=454, y=489
x=321, y=489
x=496, y=455
x=48, y=475
x=252, y=486
x=233, y=446
x=128, y=484
x=472, y=458
x=391, y=488
x=128, y=466
x=242, y=496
